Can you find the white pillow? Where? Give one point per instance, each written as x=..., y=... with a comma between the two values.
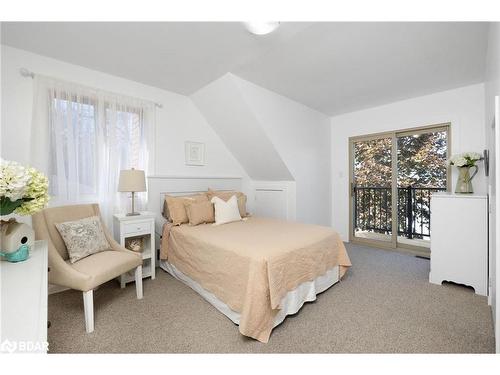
x=226, y=212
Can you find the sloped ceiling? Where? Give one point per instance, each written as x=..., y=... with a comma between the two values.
x=330, y=66
x=177, y=56
x=343, y=67
x=224, y=108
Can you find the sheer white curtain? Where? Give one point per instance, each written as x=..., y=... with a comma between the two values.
x=83, y=137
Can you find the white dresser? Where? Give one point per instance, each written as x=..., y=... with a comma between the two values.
x=24, y=303
x=459, y=242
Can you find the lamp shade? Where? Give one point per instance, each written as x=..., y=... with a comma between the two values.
x=132, y=180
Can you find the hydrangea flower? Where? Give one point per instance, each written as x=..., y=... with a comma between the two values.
x=472, y=155
x=14, y=180
x=37, y=190
x=460, y=161
x=22, y=190
x=466, y=159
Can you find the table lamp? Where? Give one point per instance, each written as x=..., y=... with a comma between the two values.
x=132, y=180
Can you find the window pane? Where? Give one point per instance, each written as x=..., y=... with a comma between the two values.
x=73, y=151
x=422, y=171
x=128, y=136
x=422, y=160
x=372, y=193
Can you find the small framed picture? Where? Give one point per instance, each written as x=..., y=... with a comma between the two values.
x=195, y=153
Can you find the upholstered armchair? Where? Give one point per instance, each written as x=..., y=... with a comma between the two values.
x=87, y=273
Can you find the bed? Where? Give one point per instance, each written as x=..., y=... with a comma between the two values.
x=256, y=271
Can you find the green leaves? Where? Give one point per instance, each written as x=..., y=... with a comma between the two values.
x=7, y=206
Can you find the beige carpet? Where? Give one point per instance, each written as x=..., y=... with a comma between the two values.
x=384, y=304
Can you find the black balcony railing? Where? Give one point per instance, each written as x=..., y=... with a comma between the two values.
x=373, y=210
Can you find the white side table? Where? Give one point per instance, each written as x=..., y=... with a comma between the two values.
x=23, y=292
x=142, y=225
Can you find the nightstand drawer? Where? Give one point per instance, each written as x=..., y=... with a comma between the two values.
x=137, y=227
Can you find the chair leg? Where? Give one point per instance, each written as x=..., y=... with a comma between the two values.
x=88, y=307
x=138, y=282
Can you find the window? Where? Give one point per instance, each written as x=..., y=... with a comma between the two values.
x=84, y=138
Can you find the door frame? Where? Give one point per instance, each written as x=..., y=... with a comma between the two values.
x=394, y=134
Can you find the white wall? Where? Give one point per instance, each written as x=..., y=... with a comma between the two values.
x=301, y=136
x=179, y=120
x=463, y=107
x=276, y=199
x=492, y=89
x=176, y=122
x=275, y=139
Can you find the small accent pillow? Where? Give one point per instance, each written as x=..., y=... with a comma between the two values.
x=83, y=237
x=175, y=210
x=200, y=213
x=225, y=195
x=226, y=212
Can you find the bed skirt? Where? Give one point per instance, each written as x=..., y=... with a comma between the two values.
x=290, y=304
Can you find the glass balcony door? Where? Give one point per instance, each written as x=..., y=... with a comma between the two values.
x=371, y=189
x=393, y=176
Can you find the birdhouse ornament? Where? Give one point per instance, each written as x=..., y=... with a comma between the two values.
x=23, y=191
x=16, y=239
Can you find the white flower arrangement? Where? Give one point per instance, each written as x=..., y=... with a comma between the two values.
x=22, y=190
x=466, y=159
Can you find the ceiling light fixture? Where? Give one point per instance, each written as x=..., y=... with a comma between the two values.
x=261, y=28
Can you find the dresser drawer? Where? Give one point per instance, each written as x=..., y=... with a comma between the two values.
x=137, y=227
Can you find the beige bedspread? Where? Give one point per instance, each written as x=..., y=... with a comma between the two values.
x=251, y=265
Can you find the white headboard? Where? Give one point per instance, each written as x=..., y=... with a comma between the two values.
x=158, y=186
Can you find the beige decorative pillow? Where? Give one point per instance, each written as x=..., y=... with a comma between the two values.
x=175, y=211
x=83, y=237
x=226, y=195
x=200, y=213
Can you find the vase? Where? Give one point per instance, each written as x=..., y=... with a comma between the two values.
x=464, y=181
x=16, y=239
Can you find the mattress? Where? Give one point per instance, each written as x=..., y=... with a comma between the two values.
x=290, y=304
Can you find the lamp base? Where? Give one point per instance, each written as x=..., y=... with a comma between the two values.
x=133, y=213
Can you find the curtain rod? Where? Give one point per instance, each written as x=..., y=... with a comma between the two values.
x=28, y=74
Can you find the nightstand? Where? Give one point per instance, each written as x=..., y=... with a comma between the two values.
x=143, y=225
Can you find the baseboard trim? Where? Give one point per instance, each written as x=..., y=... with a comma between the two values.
x=408, y=250
x=53, y=289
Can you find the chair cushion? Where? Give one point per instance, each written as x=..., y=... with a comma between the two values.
x=61, y=214
x=83, y=237
x=106, y=265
